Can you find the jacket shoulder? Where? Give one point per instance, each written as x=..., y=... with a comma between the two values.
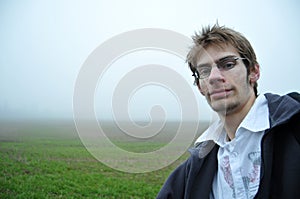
x=174, y=187
x=295, y=96
x=192, y=178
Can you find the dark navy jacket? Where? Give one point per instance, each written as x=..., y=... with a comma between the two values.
x=280, y=169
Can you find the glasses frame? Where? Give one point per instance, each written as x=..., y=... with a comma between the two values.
x=197, y=76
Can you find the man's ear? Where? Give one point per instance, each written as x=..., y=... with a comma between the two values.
x=254, y=74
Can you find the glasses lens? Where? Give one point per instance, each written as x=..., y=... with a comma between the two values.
x=204, y=71
x=227, y=63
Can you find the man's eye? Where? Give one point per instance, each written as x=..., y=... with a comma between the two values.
x=227, y=65
x=204, y=70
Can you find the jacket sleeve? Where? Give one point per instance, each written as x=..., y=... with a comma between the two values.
x=174, y=187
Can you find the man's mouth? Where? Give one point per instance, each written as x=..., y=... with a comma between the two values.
x=219, y=93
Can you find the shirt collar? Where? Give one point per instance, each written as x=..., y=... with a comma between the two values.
x=257, y=118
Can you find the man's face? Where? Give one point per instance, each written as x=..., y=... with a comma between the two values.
x=226, y=91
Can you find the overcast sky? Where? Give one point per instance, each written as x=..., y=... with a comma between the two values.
x=45, y=43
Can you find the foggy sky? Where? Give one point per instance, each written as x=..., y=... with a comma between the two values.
x=45, y=43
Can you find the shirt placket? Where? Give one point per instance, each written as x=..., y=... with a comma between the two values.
x=239, y=188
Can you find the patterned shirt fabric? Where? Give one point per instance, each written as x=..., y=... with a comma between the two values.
x=239, y=160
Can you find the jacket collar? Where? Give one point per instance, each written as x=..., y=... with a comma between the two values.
x=282, y=108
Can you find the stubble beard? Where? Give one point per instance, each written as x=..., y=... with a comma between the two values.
x=223, y=107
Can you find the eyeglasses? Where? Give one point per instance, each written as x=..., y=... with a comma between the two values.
x=223, y=64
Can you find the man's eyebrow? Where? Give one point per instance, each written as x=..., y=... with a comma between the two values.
x=226, y=57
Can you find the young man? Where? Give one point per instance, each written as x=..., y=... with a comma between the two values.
x=253, y=150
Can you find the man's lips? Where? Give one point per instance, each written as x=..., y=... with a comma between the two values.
x=219, y=94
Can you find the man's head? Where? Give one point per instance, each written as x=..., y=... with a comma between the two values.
x=224, y=65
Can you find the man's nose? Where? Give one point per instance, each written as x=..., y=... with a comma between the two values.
x=215, y=75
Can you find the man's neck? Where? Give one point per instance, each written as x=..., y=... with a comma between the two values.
x=234, y=119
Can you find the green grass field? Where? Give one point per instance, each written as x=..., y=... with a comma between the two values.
x=48, y=160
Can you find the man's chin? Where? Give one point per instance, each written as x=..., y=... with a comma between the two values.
x=223, y=106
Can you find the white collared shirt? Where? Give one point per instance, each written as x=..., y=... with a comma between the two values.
x=239, y=160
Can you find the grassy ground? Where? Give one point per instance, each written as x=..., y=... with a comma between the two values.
x=48, y=160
